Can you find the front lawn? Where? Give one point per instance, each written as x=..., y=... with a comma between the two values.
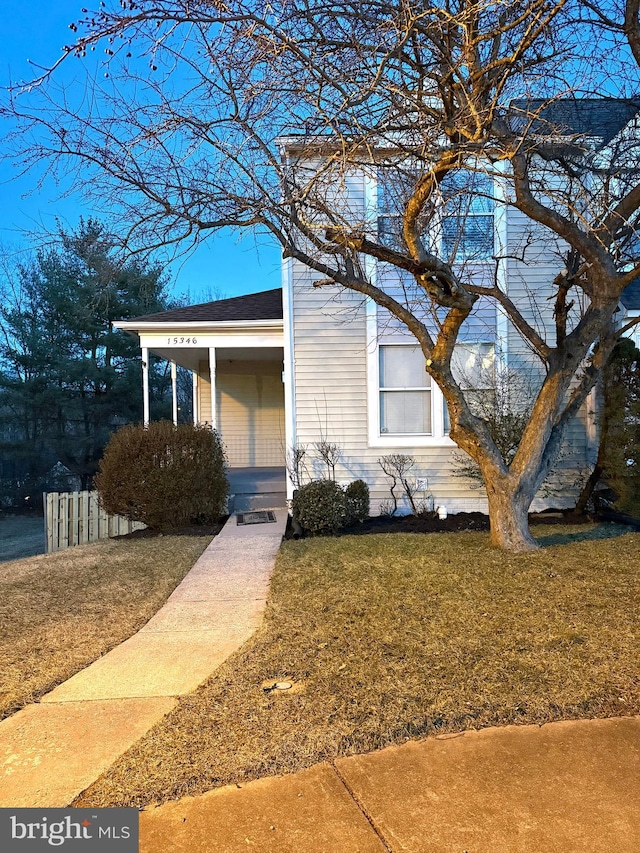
x=389, y=637
x=59, y=612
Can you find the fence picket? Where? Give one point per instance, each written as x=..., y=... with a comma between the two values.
x=85, y=519
x=48, y=503
x=93, y=517
x=76, y=518
x=74, y=503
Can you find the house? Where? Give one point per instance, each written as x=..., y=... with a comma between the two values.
x=294, y=366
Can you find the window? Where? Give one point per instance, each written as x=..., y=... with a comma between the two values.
x=405, y=391
x=462, y=226
x=467, y=219
x=394, y=188
x=473, y=368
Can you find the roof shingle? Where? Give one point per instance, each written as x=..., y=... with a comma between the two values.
x=598, y=118
x=266, y=305
x=631, y=296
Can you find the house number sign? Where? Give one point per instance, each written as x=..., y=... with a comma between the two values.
x=181, y=341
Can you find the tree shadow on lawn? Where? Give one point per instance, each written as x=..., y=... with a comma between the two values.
x=583, y=534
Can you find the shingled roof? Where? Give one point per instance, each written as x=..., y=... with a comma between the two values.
x=597, y=118
x=631, y=296
x=266, y=305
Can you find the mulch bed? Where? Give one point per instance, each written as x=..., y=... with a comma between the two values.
x=452, y=523
x=187, y=530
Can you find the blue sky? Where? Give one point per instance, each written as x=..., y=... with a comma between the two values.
x=225, y=265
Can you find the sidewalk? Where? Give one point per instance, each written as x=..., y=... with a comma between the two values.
x=569, y=787
x=51, y=751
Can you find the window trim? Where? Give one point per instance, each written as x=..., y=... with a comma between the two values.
x=383, y=389
x=438, y=230
x=437, y=437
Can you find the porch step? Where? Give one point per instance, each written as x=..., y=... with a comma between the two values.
x=268, y=500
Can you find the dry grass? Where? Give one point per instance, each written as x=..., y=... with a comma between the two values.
x=395, y=636
x=59, y=612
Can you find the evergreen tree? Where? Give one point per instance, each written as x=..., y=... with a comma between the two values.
x=618, y=461
x=67, y=378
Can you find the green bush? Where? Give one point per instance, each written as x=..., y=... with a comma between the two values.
x=357, y=495
x=320, y=505
x=164, y=475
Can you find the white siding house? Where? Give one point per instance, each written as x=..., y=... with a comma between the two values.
x=302, y=364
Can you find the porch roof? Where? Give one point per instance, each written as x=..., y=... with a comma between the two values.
x=266, y=305
x=240, y=328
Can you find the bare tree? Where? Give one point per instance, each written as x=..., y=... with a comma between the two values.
x=255, y=115
x=330, y=453
x=502, y=397
x=296, y=465
x=397, y=467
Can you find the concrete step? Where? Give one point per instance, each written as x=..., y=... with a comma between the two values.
x=247, y=503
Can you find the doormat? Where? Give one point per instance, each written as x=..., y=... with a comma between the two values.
x=262, y=516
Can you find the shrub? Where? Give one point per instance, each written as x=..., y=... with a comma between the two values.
x=357, y=495
x=320, y=505
x=397, y=466
x=164, y=475
x=330, y=454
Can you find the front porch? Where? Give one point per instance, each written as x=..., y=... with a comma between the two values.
x=234, y=350
x=241, y=394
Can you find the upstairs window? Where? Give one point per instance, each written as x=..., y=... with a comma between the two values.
x=467, y=217
x=405, y=391
x=394, y=188
x=461, y=225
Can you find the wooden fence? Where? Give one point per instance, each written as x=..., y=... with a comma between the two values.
x=75, y=518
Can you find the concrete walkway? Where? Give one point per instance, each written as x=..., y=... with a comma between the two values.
x=51, y=751
x=570, y=787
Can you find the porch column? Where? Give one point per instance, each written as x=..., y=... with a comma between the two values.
x=194, y=405
x=174, y=392
x=145, y=386
x=212, y=374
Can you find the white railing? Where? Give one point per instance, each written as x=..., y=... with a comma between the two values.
x=75, y=518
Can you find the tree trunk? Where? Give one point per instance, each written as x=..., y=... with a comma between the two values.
x=603, y=440
x=509, y=519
